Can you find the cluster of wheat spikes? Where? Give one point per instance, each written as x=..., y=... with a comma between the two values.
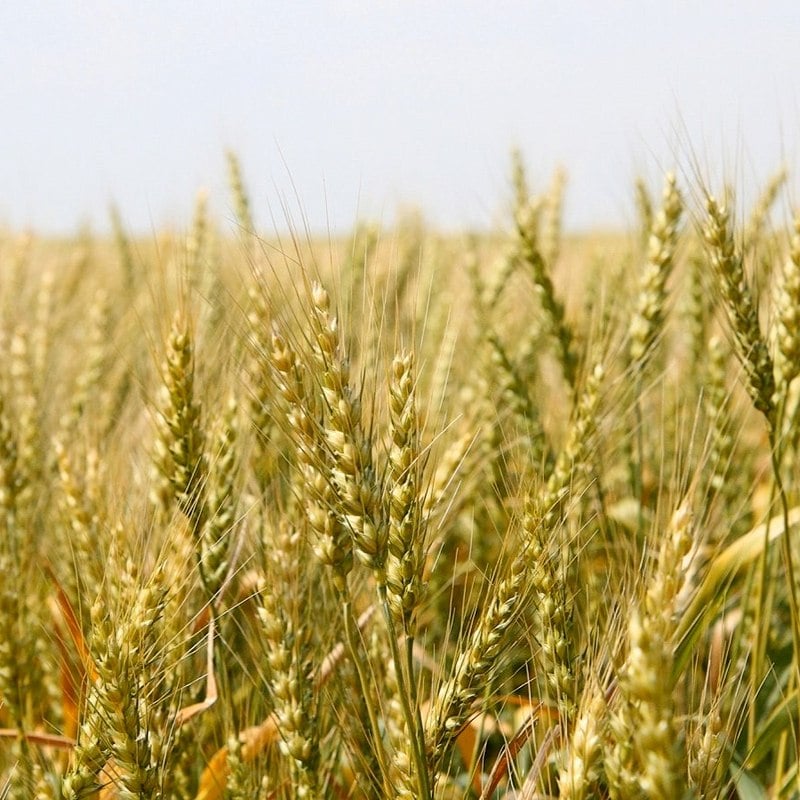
x=407, y=515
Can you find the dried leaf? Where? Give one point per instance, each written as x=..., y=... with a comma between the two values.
x=185, y=714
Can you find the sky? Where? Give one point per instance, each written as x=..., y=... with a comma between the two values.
x=359, y=109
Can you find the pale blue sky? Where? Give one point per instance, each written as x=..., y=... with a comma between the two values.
x=362, y=107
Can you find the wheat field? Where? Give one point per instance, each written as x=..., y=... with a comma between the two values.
x=405, y=514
